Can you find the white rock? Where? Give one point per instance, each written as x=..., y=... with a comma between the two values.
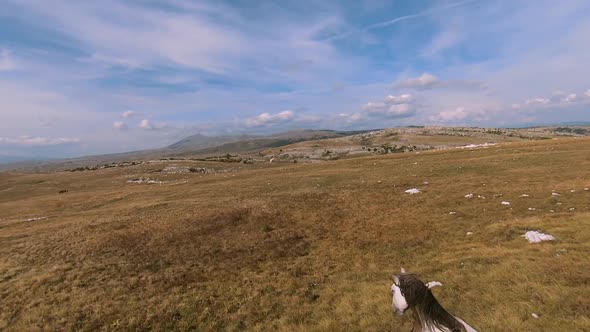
x=554, y=194
x=535, y=315
x=146, y=180
x=532, y=209
x=586, y=189
x=524, y=195
x=572, y=191
x=481, y=197
x=536, y=237
x=452, y=212
x=474, y=146
x=470, y=195
x=571, y=209
x=469, y=233
x=505, y=203
x=412, y=191
x=36, y=218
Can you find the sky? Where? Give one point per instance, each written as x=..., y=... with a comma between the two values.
x=92, y=77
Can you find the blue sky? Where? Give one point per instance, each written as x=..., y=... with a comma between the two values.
x=88, y=77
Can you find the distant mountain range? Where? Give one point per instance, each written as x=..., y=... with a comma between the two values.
x=200, y=146
x=195, y=145
x=13, y=159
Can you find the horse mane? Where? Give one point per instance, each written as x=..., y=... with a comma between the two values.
x=425, y=306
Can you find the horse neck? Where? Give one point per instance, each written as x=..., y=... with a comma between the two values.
x=431, y=316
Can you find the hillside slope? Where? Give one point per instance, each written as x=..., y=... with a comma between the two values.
x=181, y=245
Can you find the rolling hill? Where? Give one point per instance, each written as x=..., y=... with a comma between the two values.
x=195, y=245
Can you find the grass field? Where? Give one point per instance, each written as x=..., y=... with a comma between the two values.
x=301, y=247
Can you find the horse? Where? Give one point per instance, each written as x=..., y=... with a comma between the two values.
x=409, y=292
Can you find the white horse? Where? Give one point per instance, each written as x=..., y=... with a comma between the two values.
x=429, y=316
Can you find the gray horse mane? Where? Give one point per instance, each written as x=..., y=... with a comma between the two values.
x=425, y=306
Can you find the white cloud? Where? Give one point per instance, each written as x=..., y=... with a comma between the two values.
x=37, y=141
x=145, y=124
x=129, y=114
x=423, y=81
x=457, y=114
x=537, y=101
x=374, y=106
x=405, y=98
x=465, y=115
x=400, y=110
x=352, y=117
x=146, y=36
x=571, y=98
x=391, y=107
x=7, y=63
x=558, y=99
x=429, y=81
x=266, y=119
x=120, y=125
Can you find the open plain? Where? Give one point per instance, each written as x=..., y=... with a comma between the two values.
x=300, y=246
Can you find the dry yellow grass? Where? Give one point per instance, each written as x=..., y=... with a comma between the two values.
x=301, y=247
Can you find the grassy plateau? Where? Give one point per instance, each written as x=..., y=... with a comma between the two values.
x=301, y=247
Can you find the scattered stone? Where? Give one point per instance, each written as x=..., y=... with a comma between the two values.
x=470, y=195
x=558, y=203
x=553, y=211
x=481, y=197
x=554, y=194
x=425, y=182
x=412, y=191
x=146, y=180
x=532, y=209
x=203, y=170
x=36, y=218
x=524, y=195
x=586, y=189
x=176, y=170
x=505, y=203
x=536, y=237
x=474, y=146
x=469, y=233
x=571, y=209
x=452, y=212
x=573, y=191
x=535, y=315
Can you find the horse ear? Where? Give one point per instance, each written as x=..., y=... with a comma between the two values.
x=403, y=270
